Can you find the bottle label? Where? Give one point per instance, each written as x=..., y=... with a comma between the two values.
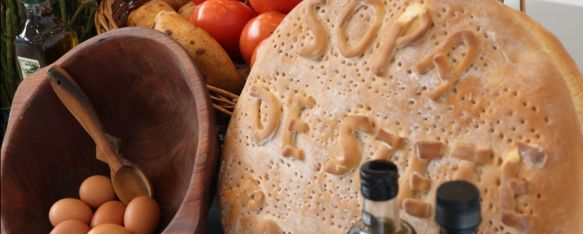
x=367, y=218
x=28, y=66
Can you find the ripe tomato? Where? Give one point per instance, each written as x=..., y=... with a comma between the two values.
x=256, y=30
x=197, y=1
x=283, y=6
x=223, y=20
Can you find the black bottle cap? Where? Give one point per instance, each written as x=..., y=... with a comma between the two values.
x=457, y=206
x=33, y=1
x=379, y=180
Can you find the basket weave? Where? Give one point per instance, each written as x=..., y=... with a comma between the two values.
x=113, y=14
x=103, y=18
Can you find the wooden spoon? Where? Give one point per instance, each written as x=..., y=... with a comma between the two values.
x=128, y=180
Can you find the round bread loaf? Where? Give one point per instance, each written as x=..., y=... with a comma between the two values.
x=447, y=89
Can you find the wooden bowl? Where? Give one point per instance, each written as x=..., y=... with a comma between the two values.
x=148, y=93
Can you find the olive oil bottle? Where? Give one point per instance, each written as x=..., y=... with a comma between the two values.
x=379, y=188
x=43, y=38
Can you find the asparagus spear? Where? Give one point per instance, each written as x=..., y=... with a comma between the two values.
x=10, y=23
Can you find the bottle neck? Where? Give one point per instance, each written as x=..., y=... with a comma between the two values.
x=38, y=9
x=381, y=213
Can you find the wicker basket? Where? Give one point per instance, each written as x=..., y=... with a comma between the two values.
x=112, y=14
x=103, y=18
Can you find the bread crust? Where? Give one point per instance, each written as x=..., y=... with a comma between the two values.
x=562, y=60
x=574, y=82
x=485, y=95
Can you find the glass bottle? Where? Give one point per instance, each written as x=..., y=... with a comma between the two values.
x=457, y=208
x=380, y=211
x=43, y=38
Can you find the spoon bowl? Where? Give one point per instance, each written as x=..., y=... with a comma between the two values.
x=128, y=181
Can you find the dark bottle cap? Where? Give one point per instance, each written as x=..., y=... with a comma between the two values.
x=457, y=206
x=33, y=1
x=379, y=180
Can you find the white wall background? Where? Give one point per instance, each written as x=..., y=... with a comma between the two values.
x=564, y=18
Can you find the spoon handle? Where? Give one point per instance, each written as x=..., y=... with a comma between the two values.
x=81, y=108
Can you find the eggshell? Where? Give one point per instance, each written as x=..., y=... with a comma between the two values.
x=109, y=212
x=109, y=228
x=142, y=215
x=96, y=190
x=69, y=208
x=70, y=227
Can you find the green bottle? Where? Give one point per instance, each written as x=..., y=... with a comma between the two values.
x=43, y=38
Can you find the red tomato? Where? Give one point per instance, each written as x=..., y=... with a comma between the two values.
x=223, y=20
x=256, y=30
x=283, y=6
x=197, y=1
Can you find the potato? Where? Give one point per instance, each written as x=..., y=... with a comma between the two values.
x=212, y=60
x=145, y=15
x=176, y=4
x=186, y=10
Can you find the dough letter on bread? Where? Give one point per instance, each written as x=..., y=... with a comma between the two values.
x=262, y=133
x=317, y=47
x=293, y=125
x=342, y=40
x=448, y=76
x=342, y=164
x=401, y=33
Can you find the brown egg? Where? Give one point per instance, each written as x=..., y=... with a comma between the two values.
x=96, y=190
x=142, y=215
x=109, y=228
x=109, y=212
x=69, y=208
x=71, y=227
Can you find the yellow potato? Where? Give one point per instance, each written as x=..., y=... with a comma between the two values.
x=186, y=10
x=212, y=60
x=145, y=15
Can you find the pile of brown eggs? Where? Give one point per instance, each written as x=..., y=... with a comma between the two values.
x=98, y=212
